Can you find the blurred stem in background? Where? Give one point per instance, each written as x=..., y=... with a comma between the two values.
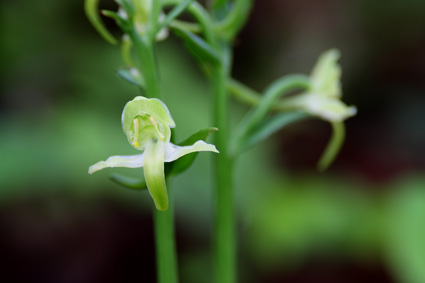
x=229, y=17
x=224, y=233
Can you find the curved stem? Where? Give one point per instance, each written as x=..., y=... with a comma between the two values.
x=333, y=147
x=201, y=16
x=234, y=19
x=250, y=97
x=278, y=88
x=243, y=93
x=174, y=14
x=191, y=27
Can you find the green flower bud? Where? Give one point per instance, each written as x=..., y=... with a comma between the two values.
x=146, y=119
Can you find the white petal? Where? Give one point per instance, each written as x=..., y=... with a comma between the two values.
x=330, y=109
x=325, y=77
x=130, y=161
x=173, y=152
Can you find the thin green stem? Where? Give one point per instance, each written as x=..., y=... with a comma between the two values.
x=145, y=50
x=192, y=27
x=248, y=96
x=280, y=87
x=174, y=14
x=166, y=256
x=200, y=15
x=166, y=259
x=243, y=93
x=224, y=232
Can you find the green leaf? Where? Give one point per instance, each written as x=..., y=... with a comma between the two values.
x=177, y=10
x=91, y=9
x=235, y=19
x=132, y=75
x=123, y=23
x=199, y=47
x=183, y=163
x=129, y=182
x=219, y=8
x=127, y=6
x=269, y=127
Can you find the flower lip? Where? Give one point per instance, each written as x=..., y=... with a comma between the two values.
x=325, y=77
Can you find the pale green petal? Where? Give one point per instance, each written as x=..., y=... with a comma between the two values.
x=154, y=173
x=173, y=152
x=330, y=109
x=131, y=161
x=325, y=77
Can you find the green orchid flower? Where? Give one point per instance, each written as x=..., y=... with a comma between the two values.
x=323, y=98
x=147, y=123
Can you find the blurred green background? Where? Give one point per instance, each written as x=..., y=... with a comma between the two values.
x=61, y=101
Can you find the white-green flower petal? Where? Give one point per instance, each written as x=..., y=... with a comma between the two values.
x=154, y=173
x=130, y=161
x=173, y=152
x=329, y=109
x=326, y=74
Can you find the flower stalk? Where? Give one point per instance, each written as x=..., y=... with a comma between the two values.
x=224, y=222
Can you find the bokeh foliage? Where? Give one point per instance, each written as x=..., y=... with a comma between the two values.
x=61, y=102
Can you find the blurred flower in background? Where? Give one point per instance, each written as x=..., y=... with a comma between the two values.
x=362, y=220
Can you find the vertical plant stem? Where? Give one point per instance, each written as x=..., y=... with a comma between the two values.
x=224, y=232
x=145, y=51
x=166, y=259
x=166, y=256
